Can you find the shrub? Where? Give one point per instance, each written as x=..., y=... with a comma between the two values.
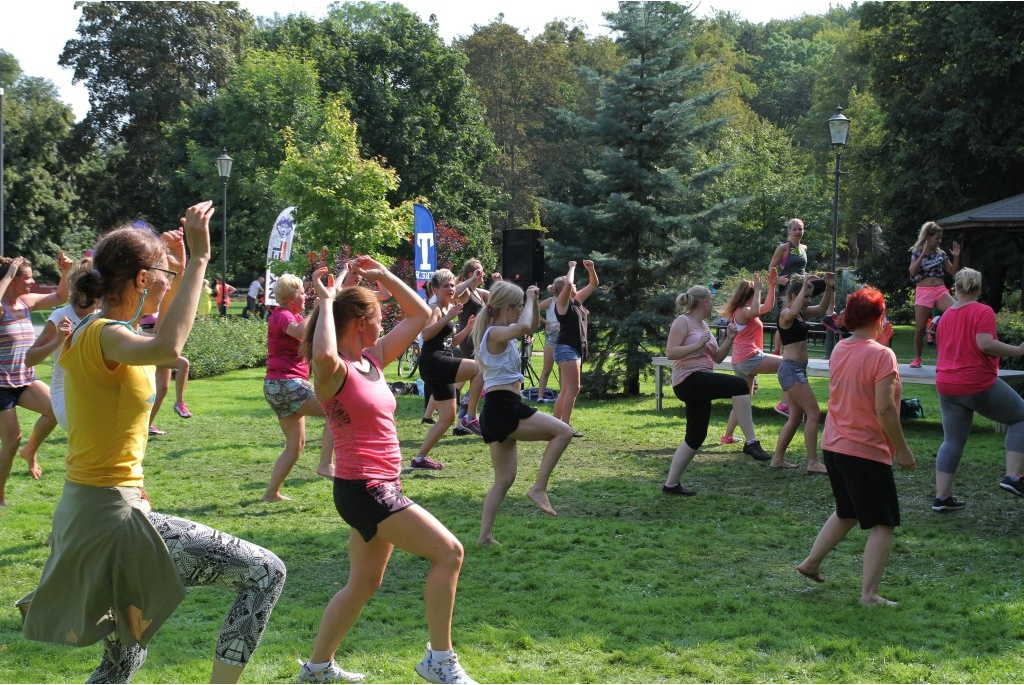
x=1010, y=330
x=220, y=344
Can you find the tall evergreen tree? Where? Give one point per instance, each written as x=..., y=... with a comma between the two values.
x=649, y=232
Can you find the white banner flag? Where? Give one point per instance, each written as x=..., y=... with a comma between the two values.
x=282, y=236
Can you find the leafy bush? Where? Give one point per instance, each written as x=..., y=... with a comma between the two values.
x=1010, y=330
x=221, y=344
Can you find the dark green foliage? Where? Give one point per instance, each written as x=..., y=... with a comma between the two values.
x=221, y=344
x=1010, y=330
x=648, y=232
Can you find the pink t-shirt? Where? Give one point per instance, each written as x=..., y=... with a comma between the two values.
x=962, y=368
x=748, y=341
x=852, y=426
x=700, y=361
x=283, y=360
x=362, y=420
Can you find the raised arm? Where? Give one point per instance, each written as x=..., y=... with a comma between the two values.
x=123, y=346
x=562, y=303
x=328, y=371
x=591, y=286
x=769, y=301
x=414, y=310
x=500, y=336
x=59, y=296
x=826, y=299
x=953, y=265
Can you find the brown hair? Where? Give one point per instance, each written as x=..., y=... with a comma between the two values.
x=119, y=256
x=743, y=292
x=351, y=304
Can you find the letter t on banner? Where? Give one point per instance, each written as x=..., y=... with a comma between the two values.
x=424, y=249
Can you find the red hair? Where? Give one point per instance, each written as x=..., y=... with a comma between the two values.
x=863, y=307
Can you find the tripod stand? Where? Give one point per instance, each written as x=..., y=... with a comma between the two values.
x=526, y=360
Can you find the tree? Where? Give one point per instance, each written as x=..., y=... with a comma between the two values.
x=950, y=81
x=39, y=184
x=141, y=62
x=648, y=232
x=412, y=102
x=343, y=198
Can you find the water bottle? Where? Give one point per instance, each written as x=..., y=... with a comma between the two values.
x=419, y=387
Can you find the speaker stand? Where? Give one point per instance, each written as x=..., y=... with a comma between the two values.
x=526, y=361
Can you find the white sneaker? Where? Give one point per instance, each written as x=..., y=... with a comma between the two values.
x=329, y=674
x=447, y=670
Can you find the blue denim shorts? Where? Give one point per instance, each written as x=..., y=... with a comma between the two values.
x=566, y=353
x=791, y=373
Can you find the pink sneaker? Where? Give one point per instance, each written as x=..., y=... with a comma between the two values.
x=426, y=464
x=782, y=408
x=729, y=440
x=916, y=364
x=181, y=409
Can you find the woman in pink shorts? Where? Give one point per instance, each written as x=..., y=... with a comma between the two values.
x=929, y=265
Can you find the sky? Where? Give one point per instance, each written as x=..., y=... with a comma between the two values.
x=35, y=32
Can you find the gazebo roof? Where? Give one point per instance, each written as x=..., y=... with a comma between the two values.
x=1008, y=213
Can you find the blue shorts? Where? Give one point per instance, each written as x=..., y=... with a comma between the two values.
x=286, y=395
x=9, y=397
x=791, y=373
x=566, y=353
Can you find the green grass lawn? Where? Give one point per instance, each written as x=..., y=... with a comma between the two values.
x=626, y=585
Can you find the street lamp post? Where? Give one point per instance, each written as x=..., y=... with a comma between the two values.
x=838, y=127
x=1, y=172
x=224, y=169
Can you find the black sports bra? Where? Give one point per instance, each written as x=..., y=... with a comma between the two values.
x=795, y=333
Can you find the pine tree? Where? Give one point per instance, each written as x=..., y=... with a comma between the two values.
x=647, y=233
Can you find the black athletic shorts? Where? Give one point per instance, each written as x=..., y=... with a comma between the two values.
x=363, y=504
x=502, y=412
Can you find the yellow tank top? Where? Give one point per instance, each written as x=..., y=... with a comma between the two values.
x=108, y=412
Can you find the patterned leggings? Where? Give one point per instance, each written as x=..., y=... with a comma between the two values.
x=204, y=556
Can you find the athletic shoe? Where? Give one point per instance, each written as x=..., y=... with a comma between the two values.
x=181, y=409
x=460, y=431
x=916, y=364
x=447, y=670
x=1013, y=485
x=329, y=674
x=472, y=425
x=729, y=440
x=576, y=433
x=426, y=464
x=782, y=408
x=753, y=449
x=428, y=421
x=948, y=504
x=677, y=489
x=153, y=430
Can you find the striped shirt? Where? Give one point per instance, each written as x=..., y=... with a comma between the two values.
x=16, y=336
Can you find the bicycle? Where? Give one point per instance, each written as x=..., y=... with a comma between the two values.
x=409, y=361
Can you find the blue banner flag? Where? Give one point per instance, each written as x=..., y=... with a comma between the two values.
x=424, y=256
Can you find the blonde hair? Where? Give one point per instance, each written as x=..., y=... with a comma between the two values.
x=794, y=222
x=968, y=281
x=557, y=286
x=688, y=301
x=503, y=294
x=440, y=276
x=286, y=287
x=928, y=229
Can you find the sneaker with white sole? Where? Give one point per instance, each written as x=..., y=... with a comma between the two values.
x=948, y=504
x=181, y=409
x=426, y=464
x=153, y=430
x=447, y=670
x=329, y=674
x=782, y=408
x=470, y=424
x=1013, y=485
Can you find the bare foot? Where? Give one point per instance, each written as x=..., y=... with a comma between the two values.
x=325, y=471
x=878, y=601
x=781, y=464
x=276, y=498
x=540, y=498
x=812, y=574
x=817, y=467
x=488, y=541
x=34, y=469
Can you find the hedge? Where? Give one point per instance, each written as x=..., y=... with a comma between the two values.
x=221, y=344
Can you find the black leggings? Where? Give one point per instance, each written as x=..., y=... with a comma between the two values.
x=696, y=391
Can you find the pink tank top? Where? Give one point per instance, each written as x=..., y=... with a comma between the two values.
x=362, y=420
x=748, y=341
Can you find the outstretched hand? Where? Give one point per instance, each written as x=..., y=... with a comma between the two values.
x=773, y=277
x=196, y=226
x=954, y=249
x=325, y=291
x=64, y=263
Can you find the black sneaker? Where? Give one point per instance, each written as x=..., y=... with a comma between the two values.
x=430, y=421
x=459, y=430
x=753, y=450
x=1013, y=485
x=677, y=489
x=948, y=504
